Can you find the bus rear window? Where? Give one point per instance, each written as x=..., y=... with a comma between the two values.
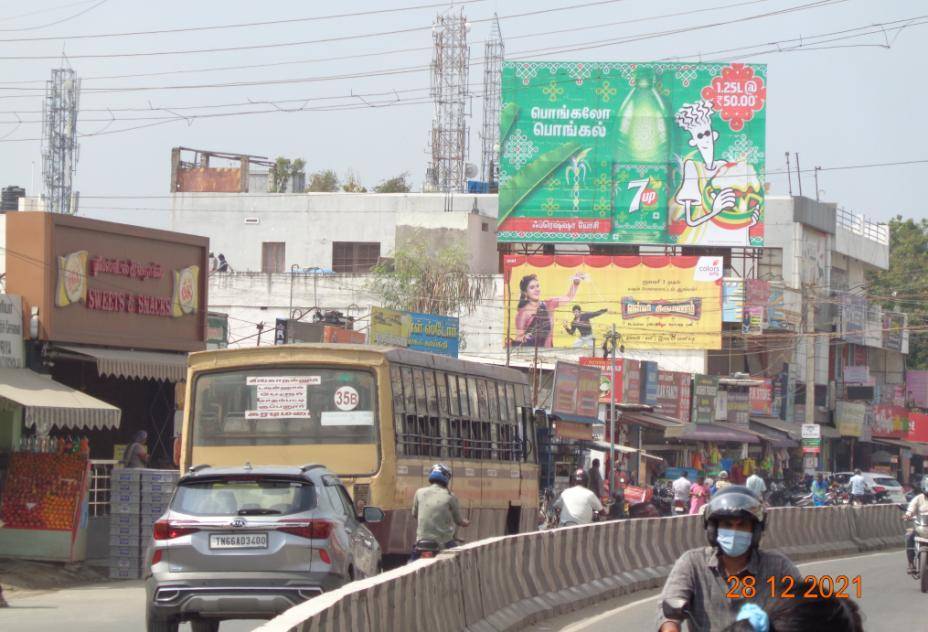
x=292, y=406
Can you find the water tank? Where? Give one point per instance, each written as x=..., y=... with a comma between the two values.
x=9, y=198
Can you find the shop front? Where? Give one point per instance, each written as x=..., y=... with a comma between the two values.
x=713, y=447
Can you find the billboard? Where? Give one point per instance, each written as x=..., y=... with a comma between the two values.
x=605, y=378
x=850, y=418
x=705, y=396
x=761, y=397
x=11, y=331
x=637, y=153
x=889, y=421
x=673, y=394
x=419, y=332
x=576, y=392
x=655, y=302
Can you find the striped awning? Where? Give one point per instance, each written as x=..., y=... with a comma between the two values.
x=143, y=365
x=49, y=403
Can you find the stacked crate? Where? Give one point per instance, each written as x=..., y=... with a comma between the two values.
x=138, y=497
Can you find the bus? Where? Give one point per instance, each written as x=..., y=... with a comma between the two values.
x=379, y=417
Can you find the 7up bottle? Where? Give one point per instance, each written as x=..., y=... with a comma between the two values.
x=643, y=136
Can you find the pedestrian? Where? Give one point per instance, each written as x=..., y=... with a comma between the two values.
x=213, y=263
x=223, y=264
x=699, y=495
x=756, y=484
x=595, y=479
x=819, y=490
x=722, y=483
x=136, y=453
x=681, y=492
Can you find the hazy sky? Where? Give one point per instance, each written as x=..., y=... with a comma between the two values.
x=837, y=100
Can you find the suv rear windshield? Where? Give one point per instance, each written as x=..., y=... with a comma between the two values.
x=284, y=406
x=886, y=482
x=249, y=497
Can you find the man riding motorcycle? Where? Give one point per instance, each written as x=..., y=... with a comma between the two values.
x=918, y=506
x=437, y=511
x=577, y=504
x=712, y=582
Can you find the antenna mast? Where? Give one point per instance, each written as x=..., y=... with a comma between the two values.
x=59, y=140
x=493, y=53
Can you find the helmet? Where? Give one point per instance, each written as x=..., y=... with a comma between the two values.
x=580, y=477
x=440, y=474
x=723, y=475
x=735, y=501
x=925, y=484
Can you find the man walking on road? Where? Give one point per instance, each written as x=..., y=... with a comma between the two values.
x=577, y=504
x=756, y=484
x=711, y=583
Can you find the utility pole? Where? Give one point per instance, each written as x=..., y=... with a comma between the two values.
x=799, y=173
x=817, y=169
x=810, y=354
x=789, y=175
x=611, y=342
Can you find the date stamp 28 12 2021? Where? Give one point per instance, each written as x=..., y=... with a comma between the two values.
x=812, y=587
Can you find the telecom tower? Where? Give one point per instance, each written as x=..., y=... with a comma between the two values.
x=59, y=140
x=493, y=53
x=449, y=91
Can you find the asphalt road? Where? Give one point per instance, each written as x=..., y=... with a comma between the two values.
x=891, y=600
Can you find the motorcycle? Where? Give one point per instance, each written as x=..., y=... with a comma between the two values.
x=778, y=496
x=921, y=550
x=424, y=549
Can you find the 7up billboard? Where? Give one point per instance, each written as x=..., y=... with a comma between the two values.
x=635, y=153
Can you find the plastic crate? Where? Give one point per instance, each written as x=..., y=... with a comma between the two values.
x=130, y=540
x=157, y=487
x=125, y=508
x=125, y=573
x=124, y=486
x=131, y=497
x=127, y=554
x=159, y=476
x=123, y=519
x=123, y=474
x=157, y=498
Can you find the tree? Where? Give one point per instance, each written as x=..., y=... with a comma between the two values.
x=285, y=170
x=323, y=181
x=352, y=183
x=396, y=184
x=905, y=284
x=420, y=278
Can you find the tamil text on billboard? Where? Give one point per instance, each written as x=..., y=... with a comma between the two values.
x=420, y=332
x=576, y=392
x=640, y=153
x=654, y=302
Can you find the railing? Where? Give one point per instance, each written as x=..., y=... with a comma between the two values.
x=863, y=226
x=100, y=477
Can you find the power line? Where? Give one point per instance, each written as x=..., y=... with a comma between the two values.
x=61, y=21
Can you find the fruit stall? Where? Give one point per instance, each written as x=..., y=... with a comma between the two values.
x=44, y=507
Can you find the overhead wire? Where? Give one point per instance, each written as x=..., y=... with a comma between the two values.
x=56, y=22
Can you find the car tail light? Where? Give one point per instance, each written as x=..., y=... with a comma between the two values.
x=324, y=555
x=159, y=553
x=310, y=529
x=167, y=530
x=878, y=489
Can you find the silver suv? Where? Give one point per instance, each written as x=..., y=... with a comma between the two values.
x=249, y=543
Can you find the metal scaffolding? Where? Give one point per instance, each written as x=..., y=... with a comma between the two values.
x=59, y=140
x=449, y=90
x=493, y=53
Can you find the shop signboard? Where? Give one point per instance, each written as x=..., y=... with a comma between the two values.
x=811, y=438
x=761, y=397
x=850, y=418
x=916, y=385
x=11, y=331
x=889, y=421
x=109, y=284
x=857, y=374
x=420, y=332
x=638, y=153
x=895, y=325
x=573, y=430
x=655, y=302
x=631, y=384
x=732, y=300
x=753, y=323
x=780, y=313
x=756, y=292
x=873, y=336
x=217, y=330
x=918, y=427
x=705, y=394
x=605, y=377
x=721, y=405
x=738, y=404
x=854, y=319
x=649, y=382
x=673, y=394
x=576, y=392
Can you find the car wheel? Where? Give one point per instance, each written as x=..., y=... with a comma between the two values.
x=154, y=623
x=204, y=625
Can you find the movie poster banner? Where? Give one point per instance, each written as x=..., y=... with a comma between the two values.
x=576, y=392
x=637, y=153
x=655, y=302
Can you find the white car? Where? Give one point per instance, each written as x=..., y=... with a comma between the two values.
x=877, y=482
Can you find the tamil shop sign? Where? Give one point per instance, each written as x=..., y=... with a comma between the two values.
x=673, y=394
x=576, y=392
x=850, y=418
x=605, y=377
x=420, y=332
x=889, y=421
x=761, y=397
x=705, y=394
x=11, y=331
x=113, y=284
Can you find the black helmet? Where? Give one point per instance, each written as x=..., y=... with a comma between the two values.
x=734, y=501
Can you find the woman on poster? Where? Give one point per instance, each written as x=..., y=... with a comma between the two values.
x=534, y=318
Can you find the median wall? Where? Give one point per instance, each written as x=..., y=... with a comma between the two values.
x=509, y=582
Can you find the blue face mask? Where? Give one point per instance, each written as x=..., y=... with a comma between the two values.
x=734, y=543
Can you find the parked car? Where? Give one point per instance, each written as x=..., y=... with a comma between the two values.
x=249, y=543
x=877, y=482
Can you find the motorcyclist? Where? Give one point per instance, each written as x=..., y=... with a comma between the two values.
x=707, y=578
x=722, y=483
x=858, y=487
x=437, y=511
x=917, y=506
x=577, y=504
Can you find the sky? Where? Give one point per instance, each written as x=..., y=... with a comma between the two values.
x=845, y=84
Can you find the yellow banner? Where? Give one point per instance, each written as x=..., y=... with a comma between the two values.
x=655, y=302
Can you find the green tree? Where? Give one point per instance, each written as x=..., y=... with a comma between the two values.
x=420, y=278
x=905, y=283
x=396, y=184
x=281, y=174
x=352, y=183
x=325, y=180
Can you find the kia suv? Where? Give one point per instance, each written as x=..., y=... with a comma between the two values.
x=249, y=543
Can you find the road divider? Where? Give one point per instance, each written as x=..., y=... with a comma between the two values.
x=506, y=583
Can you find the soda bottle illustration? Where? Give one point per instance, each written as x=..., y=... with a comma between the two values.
x=643, y=134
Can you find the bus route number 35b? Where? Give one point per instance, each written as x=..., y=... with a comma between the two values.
x=346, y=398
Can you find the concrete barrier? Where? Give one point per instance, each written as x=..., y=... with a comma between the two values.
x=506, y=583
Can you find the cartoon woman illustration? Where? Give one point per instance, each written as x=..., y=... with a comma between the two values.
x=534, y=316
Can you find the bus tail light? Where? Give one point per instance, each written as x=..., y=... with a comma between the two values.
x=309, y=529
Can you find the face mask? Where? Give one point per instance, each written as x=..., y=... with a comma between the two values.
x=734, y=543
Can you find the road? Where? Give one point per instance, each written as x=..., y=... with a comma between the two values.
x=891, y=601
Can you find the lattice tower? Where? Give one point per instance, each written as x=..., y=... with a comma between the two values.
x=59, y=139
x=493, y=53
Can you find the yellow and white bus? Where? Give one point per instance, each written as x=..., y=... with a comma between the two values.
x=379, y=417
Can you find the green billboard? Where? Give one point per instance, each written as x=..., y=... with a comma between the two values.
x=635, y=153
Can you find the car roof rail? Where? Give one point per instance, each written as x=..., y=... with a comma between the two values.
x=193, y=469
x=311, y=466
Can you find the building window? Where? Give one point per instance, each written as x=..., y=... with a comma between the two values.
x=273, y=257
x=485, y=227
x=354, y=257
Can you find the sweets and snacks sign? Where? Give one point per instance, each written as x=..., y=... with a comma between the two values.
x=639, y=153
x=655, y=302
